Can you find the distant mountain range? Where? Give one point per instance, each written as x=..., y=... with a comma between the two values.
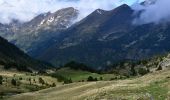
x=102, y=38
x=106, y=37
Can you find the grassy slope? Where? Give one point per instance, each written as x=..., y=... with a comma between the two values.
x=8, y=89
x=79, y=75
x=154, y=85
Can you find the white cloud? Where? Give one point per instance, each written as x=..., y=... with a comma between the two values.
x=154, y=13
x=25, y=10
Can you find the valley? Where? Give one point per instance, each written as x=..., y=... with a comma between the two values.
x=73, y=83
x=71, y=52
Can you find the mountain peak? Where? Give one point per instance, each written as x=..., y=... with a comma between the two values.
x=62, y=17
x=121, y=8
x=99, y=11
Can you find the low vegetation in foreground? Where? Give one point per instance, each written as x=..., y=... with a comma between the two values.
x=14, y=82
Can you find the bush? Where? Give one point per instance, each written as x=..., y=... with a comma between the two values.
x=159, y=68
x=53, y=85
x=67, y=81
x=90, y=78
x=111, y=79
x=1, y=80
x=41, y=72
x=95, y=79
x=133, y=71
x=41, y=81
x=14, y=82
x=20, y=78
x=1, y=95
x=142, y=71
x=101, y=78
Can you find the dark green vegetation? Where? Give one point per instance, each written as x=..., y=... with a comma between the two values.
x=21, y=83
x=79, y=72
x=1, y=80
x=12, y=57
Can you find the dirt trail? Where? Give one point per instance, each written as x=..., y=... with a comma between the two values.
x=75, y=91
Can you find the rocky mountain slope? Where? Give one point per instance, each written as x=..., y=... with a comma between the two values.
x=31, y=35
x=92, y=38
x=104, y=37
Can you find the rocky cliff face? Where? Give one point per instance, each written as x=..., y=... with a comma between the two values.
x=30, y=34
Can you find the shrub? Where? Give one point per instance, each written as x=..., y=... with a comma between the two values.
x=90, y=78
x=95, y=79
x=67, y=81
x=142, y=71
x=41, y=72
x=133, y=71
x=1, y=80
x=53, y=85
x=29, y=80
x=20, y=78
x=41, y=81
x=14, y=82
x=101, y=78
x=1, y=95
x=159, y=68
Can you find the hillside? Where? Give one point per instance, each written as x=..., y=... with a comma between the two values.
x=13, y=57
x=153, y=86
x=71, y=82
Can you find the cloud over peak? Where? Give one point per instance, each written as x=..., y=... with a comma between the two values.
x=25, y=10
x=158, y=12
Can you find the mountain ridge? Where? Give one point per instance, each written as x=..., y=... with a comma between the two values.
x=101, y=39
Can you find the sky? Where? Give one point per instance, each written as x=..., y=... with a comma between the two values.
x=157, y=13
x=25, y=10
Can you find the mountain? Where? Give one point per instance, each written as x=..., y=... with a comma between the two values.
x=106, y=37
x=92, y=38
x=31, y=35
x=13, y=57
x=100, y=39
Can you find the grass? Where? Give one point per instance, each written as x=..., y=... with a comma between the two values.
x=158, y=90
x=23, y=85
x=154, y=85
x=79, y=75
